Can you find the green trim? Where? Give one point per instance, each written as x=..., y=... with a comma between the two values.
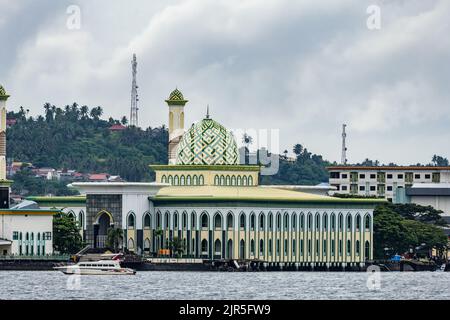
x=6, y=182
x=370, y=202
x=177, y=103
x=205, y=167
x=59, y=200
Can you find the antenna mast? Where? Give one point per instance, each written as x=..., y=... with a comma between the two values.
x=134, y=95
x=344, y=146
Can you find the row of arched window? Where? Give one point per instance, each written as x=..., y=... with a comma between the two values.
x=300, y=246
x=188, y=180
x=80, y=217
x=286, y=222
x=233, y=180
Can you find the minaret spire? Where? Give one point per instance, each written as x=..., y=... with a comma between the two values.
x=207, y=111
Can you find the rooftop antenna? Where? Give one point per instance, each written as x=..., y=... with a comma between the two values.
x=134, y=95
x=344, y=145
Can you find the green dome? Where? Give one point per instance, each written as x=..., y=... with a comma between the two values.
x=176, y=98
x=207, y=143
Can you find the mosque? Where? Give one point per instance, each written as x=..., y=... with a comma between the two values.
x=205, y=198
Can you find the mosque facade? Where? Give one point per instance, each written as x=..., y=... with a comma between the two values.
x=214, y=207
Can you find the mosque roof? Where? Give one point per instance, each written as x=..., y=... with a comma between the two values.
x=251, y=194
x=207, y=143
x=176, y=98
x=3, y=94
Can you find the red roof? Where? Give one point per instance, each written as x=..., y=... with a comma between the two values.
x=117, y=127
x=101, y=176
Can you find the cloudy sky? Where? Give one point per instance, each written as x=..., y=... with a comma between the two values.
x=304, y=67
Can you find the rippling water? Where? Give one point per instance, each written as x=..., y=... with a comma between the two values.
x=209, y=285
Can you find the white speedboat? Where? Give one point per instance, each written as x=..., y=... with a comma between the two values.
x=102, y=267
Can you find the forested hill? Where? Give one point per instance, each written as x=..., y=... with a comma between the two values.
x=77, y=138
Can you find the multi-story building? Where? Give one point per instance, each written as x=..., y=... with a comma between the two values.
x=383, y=181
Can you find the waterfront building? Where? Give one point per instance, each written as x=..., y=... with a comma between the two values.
x=24, y=229
x=383, y=181
x=216, y=208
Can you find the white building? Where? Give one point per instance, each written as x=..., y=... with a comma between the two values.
x=383, y=181
x=26, y=232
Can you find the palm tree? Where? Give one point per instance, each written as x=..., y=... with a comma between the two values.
x=177, y=247
x=115, y=238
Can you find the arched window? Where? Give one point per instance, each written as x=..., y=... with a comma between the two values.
x=205, y=222
x=185, y=219
x=242, y=221
x=286, y=222
x=175, y=221
x=317, y=222
x=270, y=247
x=167, y=220
x=357, y=248
x=147, y=221
x=228, y=181
x=242, y=249
x=349, y=222
x=32, y=244
x=349, y=247
x=218, y=221
x=367, y=223
x=170, y=180
x=261, y=247
x=216, y=181
x=81, y=219
x=333, y=222
x=230, y=221
x=325, y=222
x=131, y=244
x=261, y=222
x=222, y=180
x=195, y=181
x=201, y=180
x=193, y=220
x=176, y=181
x=182, y=180
x=163, y=179
x=252, y=247
x=250, y=181
x=341, y=222
x=147, y=245
x=367, y=250
x=72, y=215
x=278, y=222
x=204, y=246
x=358, y=222
x=252, y=222
x=340, y=248
x=217, y=247
x=270, y=221
x=244, y=181
x=188, y=180
x=294, y=221
x=131, y=221
x=159, y=220
x=233, y=180
x=302, y=222
x=239, y=181
x=309, y=222
x=38, y=244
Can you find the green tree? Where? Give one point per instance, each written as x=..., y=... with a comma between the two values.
x=115, y=238
x=66, y=234
x=177, y=247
